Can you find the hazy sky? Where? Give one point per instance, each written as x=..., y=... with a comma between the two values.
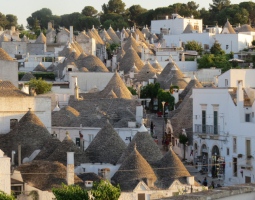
x=24, y=8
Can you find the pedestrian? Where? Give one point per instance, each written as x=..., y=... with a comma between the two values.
x=205, y=182
x=212, y=185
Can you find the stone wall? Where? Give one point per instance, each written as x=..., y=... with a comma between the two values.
x=36, y=48
x=5, y=180
x=9, y=71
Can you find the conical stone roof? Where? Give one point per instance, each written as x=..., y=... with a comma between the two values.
x=98, y=40
x=65, y=116
x=127, y=62
x=7, y=89
x=120, y=54
x=189, y=28
x=97, y=35
x=45, y=175
x=27, y=76
x=170, y=167
x=157, y=66
x=146, y=31
x=41, y=39
x=133, y=169
x=67, y=50
x=124, y=33
x=171, y=75
x=118, y=87
x=111, y=95
x=105, y=37
x=131, y=42
x=40, y=68
x=82, y=37
x=146, y=73
x=30, y=133
x=93, y=64
x=51, y=68
x=145, y=145
x=4, y=55
x=228, y=27
x=67, y=145
x=106, y=147
x=113, y=35
x=246, y=28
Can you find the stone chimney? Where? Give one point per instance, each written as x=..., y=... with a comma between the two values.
x=70, y=168
x=49, y=25
x=71, y=34
x=76, y=88
x=239, y=92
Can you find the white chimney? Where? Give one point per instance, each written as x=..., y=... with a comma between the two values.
x=166, y=16
x=139, y=114
x=239, y=92
x=70, y=168
x=71, y=34
x=190, y=180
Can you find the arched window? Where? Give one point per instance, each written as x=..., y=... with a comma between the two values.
x=215, y=151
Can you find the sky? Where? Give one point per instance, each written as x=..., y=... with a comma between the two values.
x=24, y=8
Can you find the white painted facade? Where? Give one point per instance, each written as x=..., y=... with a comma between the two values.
x=227, y=126
x=16, y=108
x=5, y=173
x=89, y=133
x=176, y=24
x=9, y=71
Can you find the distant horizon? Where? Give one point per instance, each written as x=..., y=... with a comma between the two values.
x=24, y=9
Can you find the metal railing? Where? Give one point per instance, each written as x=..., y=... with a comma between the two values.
x=207, y=129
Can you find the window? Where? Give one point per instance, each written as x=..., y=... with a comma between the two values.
x=248, y=147
x=226, y=82
x=215, y=122
x=234, y=145
x=203, y=121
x=247, y=117
x=78, y=142
x=235, y=167
x=227, y=151
x=91, y=137
x=141, y=196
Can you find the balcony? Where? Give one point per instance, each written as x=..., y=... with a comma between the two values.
x=207, y=129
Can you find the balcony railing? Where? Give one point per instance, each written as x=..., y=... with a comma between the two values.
x=207, y=129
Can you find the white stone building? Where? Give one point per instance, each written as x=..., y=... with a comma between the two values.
x=5, y=173
x=14, y=104
x=223, y=126
x=180, y=30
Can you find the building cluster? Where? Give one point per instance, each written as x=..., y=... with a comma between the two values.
x=90, y=127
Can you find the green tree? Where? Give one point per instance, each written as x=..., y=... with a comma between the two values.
x=3, y=20
x=219, y=5
x=4, y=196
x=104, y=190
x=70, y=192
x=12, y=21
x=253, y=43
x=216, y=48
x=166, y=97
x=250, y=7
x=89, y=11
x=150, y=91
x=132, y=90
x=39, y=17
x=183, y=139
x=194, y=45
x=145, y=18
x=134, y=11
x=40, y=85
x=86, y=23
x=114, y=6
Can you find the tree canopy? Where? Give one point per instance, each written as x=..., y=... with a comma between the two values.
x=89, y=11
x=114, y=6
x=194, y=45
x=4, y=196
x=40, y=85
x=70, y=192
